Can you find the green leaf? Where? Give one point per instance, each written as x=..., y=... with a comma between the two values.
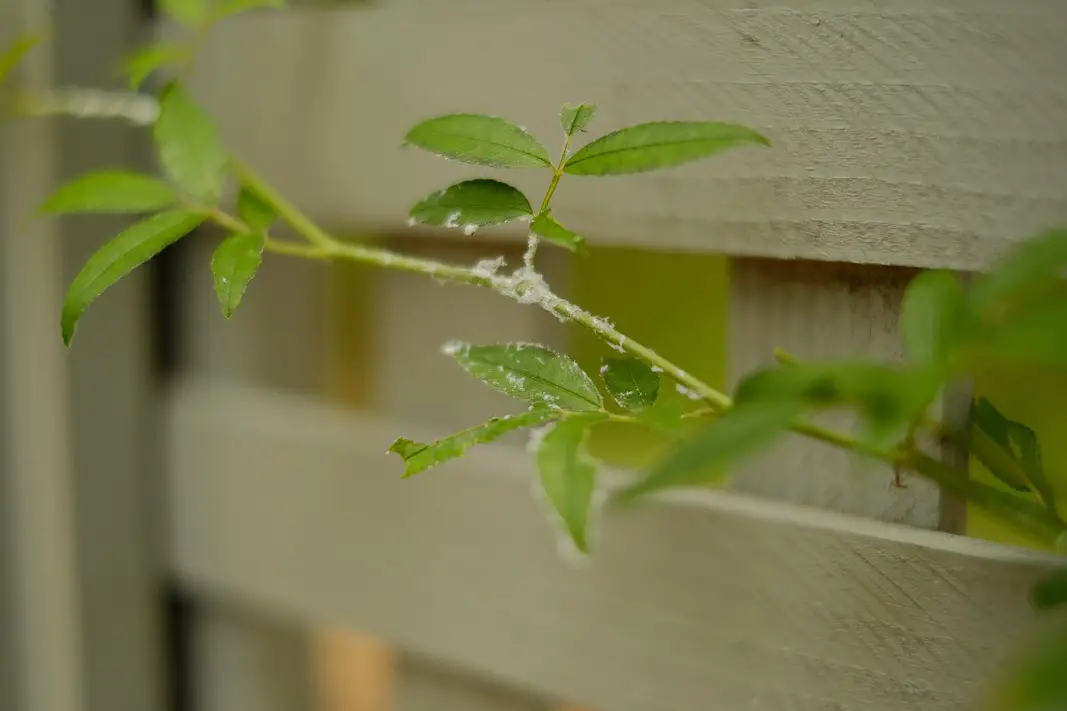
x=1008, y=449
x=191, y=13
x=1028, y=450
x=662, y=144
x=630, y=382
x=531, y=373
x=472, y=204
x=666, y=415
x=888, y=397
x=986, y=417
x=234, y=264
x=189, y=144
x=726, y=439
x=934, y=318
x=574, y=119
x=478, y=139
x=117, y=258
x=1051, y=590
x=568, y=473
x=10, y=58
x=140, y=65
x=419, y=457
x=1035, y=679
x=1033, y=262
x=256, y=212
x=110, y=191
x=1035, y=335
x=991, y=444
x=547, y=227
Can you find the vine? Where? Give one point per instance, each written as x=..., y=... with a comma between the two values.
x=1012, y=315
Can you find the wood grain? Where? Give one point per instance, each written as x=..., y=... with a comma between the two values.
x=815, y=311
x=286, y=505
x=913, y=132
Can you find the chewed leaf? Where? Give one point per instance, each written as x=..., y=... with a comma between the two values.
x=234, y=265
x=189, y=145
x=630, y=382
x=1028, y=449
x=531, y=373
x=547, y=227
x=419, y=457
x=254, y=210
x=722, y=442
x=478, y=139
x=117, y=258
x=991, y=443
x=1009, y=450
x=110, y=191
x=10, y=57
x=934, y=317
x=142, y=63
x=568, y=473
x=574, y=119
x=662, y=144
x=472, y=204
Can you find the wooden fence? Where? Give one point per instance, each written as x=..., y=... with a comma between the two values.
x=906, y=135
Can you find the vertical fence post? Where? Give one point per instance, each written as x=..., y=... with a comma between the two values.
x=40, y=618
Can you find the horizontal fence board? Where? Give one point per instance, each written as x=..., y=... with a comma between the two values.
x=285, y=504
x=913, y=132
x=819, y=310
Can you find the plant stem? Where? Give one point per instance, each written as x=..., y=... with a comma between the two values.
x=1043, y=524
x=286, y=210
x=557, y=174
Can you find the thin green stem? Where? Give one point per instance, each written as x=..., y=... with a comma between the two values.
x=1038, y=522
x=526, y=286
x=557, y=174
x=632, y=420
x=716, y=400
x=286, y=210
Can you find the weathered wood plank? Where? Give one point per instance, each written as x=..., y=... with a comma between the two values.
x=415, y=382
x=247, y=662
x=817, y=310
x=291, y=506
x=915, y=132
x=42, y=660
x=427, y=686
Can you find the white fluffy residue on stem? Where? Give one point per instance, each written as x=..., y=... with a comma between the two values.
x=531, y=252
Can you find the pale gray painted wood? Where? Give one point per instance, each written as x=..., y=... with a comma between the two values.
x=426, y=686
x=273, y=339
x=415, y=382
x=817, y=311
x=695, y=599
x=248, y=662
x=415, y=317
x=915, y=132
x=115, y=449
x=41, y=617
